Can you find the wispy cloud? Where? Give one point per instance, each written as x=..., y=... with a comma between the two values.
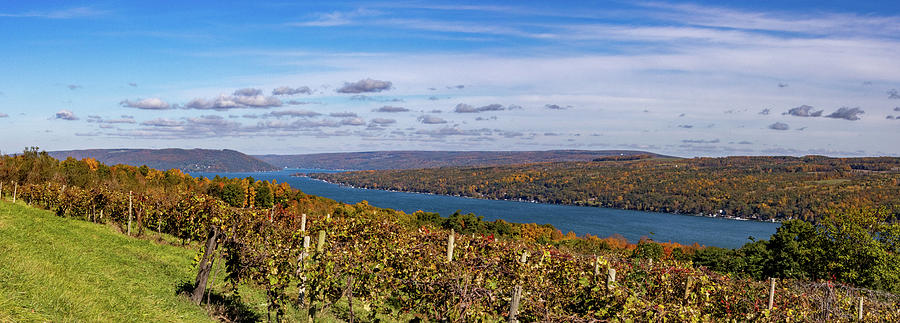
x=69, y=13
x=146, y=104
x=812, y=23
x=286, y=90
x=428, y=119
x=383, y=121
x=846, y=113
x=389, y=108
x=557, y=107
x=162, y=122
x=700, y=141
x=893, y=94
x=804, y=111
x=465, y=108
x=248, y=92
x=364, y=86
x=224, y=102
x=779, y=126
x=66, y=115
x=336, y=18
x=122, y=120
x=294, y=113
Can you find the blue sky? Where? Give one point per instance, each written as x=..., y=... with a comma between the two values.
x=683, y=78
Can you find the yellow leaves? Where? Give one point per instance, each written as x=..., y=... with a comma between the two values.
x=91, y=163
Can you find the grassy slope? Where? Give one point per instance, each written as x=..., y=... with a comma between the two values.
x=56, y=269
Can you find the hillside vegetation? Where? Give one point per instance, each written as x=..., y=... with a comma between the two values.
x=431, y=159
x=189, y=160
x=365, y=264
x=760, y=188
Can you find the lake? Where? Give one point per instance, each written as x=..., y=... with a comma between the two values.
x=602, y=222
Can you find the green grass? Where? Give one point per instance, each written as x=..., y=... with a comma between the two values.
x=57, y=269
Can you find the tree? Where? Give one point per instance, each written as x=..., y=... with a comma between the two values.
x=648, y=250
x=233, y=194
x=862, y=248
x=796, y=250
x=264, y=197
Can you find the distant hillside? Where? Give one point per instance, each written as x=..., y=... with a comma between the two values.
x=432, y=159
x=753, y=187
x=207, y=160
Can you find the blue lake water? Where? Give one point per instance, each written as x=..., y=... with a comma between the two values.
x=603, y=222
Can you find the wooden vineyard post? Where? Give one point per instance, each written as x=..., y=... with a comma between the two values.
x=514, y=304
x=205, y=267
x=321, y=245
x=771, y=293
x=687, y=288
x=319, y=248
x=859, y=315
x=303, y=223
x=15, y=190
x=524, y=258
x=610, y=277
x=300, y=267
x=596, y=265
x=129, y=213
x=1, y=190
x=451, y=243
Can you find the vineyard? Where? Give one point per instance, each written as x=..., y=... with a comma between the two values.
x=366, y=263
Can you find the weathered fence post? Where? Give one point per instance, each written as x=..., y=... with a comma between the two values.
x=319, y=248
x=596, y=265
x=321, y=245
x=15, y=190
x=129, y=213
x=771, y=293
x=205, y=267
x=610, y=277
x=1, y=190
x=303, y=222
x=687, y=287
x=514, y=304
x=300, y=267
x=859, y=315
x=451, y=243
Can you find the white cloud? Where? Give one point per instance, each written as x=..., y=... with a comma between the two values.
x=365, y=85
x=66, y=115
x=146, y=104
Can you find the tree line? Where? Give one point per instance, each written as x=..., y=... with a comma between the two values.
x=761, y=188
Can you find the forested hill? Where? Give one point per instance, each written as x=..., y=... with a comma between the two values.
x=432, y=159
x=750, y=187
x=184, y=159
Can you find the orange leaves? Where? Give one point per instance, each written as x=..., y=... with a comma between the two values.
x=91, y=163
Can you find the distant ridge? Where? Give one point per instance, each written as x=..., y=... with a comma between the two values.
x=432, y=159
x=189, y=160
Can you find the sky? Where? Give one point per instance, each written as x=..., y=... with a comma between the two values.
x=705, y=78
